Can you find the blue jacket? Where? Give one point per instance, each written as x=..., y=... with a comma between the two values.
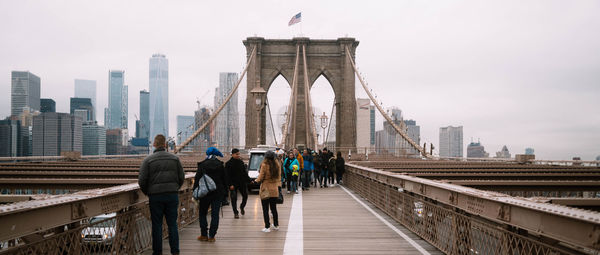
x=308, y=162
x=287, y=169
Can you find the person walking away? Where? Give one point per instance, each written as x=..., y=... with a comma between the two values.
x=287, y=168
x=325, y=167
x=237, y=179
x=269, y=178
x=213, y=167
x=316, y=168
x=308, y=169
x=340, y=167
x=161, y=175
x=331, y=167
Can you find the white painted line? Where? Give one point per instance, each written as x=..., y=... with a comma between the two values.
x=408, y=239
x=294, y=239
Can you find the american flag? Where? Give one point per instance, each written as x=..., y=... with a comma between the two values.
x=297, y=18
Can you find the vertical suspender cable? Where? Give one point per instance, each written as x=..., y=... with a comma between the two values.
x=214, y=115
x=389, y=120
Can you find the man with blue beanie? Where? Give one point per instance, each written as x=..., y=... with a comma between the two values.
x=213, y=167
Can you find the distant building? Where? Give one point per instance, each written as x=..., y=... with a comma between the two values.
x=140, y=146
x=14, y=138
x=227, y=126
x=159, y=95
x=94, y=139
x=142, y=126
x=83, y=105
x=390, y=142
x=414, y=132
x=116, y=142
x=25, y=92
x=47, y=105
x=185, y=127
x=503, y=153
x=203, y=140
x=365, y=124
x=54, y=133
x=115, y=114
x=451, y=141
x=529, y=151
x=476, y=150
x=87, y=89
x=125, y=108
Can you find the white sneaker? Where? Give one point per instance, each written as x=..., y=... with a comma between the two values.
x=297, y=192
x=288, y=192
x=266, y=230
x=275, y=227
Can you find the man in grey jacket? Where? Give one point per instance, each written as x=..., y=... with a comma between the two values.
x=161, y=176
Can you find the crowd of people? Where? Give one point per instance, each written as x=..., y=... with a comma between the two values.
x=161, y=176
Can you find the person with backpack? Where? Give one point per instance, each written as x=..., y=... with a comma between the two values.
x=269, y=178
x=288, y=164
x=331, y=168
x=237, y=180
x=161, y=176
x=212, y=167
x=324, y=162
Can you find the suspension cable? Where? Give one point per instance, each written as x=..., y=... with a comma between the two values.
x=271, y=118
x=291, y=105
x=389, y=120
x=214, y=115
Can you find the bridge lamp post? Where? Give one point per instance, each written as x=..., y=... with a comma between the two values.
x=259, y=93
x=323, y=126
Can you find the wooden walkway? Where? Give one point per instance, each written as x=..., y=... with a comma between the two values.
x=333, y=223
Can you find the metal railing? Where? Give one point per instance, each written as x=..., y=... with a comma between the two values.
x=460, y=220
x=114, y=220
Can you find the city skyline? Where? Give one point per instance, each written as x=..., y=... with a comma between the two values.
x=490, y=74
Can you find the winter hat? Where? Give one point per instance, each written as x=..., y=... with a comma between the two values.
x=213, y=151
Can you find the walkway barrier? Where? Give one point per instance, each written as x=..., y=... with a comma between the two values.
x=114, y=220
x=461, y=220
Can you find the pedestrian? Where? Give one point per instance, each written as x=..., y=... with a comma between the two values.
x=324, y=162
x=308, y=169
x=316, y=168
x=213, y=167
x=161, y=176
x=237, y=179
x=331, y=167
x=340, y=167
x=288, y=164
x=300, y=159
x=270, y=182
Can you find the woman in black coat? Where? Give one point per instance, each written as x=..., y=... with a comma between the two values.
x=340, y=165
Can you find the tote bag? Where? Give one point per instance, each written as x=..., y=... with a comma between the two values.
x=206, y=185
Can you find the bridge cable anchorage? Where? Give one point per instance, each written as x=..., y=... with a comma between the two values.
x=311, y=128
x=291, y=105
x=387, y=117
x=216, y=113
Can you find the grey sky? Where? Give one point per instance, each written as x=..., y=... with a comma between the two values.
x=515, y=73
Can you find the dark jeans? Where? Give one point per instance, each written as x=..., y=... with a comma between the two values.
x=306, y=179
x=164, y=205
x=323, y=177
x=243, y=189
x=339, y=177
x=215, y=204
x=288, y=180
x=266, y=203
x=330, y=178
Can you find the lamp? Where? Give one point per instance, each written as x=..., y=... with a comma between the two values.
x=259, y=93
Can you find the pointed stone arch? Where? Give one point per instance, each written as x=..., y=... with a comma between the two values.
x=323, y=57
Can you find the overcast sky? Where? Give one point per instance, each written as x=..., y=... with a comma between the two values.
x=515, y=73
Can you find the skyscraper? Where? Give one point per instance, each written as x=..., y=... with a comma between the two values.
x=451, y=141
x=203, y=140
x=529, y=151
x=414, y=132
x=47, y=105
x=84, y=104
x=54, y=133
x=25, y=92
x=125, y=108
x=14, y=138
x=94, y=139
x=113, y=115
x=159, y=95
x=227, y=127
x=185, y=127
x=87, y=89
x=476, y=150
x=142, y=126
